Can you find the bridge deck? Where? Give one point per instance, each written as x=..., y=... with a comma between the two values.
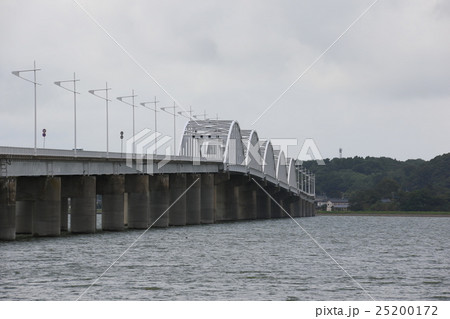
x=19, y=161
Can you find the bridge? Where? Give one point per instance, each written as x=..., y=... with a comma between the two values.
x=221, y=173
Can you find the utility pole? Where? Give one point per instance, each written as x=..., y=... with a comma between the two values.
x=174, y=124
x=121, y=99
x=155, y=109
x=74, y=91
x=107, y=116
x=34, y=81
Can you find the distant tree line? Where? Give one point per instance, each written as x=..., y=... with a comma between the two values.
x=386, y=184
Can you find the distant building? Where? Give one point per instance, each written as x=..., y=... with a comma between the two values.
x=335, y=204
x=331, y=204
x=321, y=200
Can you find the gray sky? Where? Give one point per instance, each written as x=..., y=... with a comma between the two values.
x=382, y=90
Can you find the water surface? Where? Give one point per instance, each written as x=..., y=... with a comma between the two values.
x=394, y=258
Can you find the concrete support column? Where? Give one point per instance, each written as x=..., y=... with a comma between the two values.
x=24, y=216
x=286, y=204
x=291, y=210
x=82, y=193
x=47, y=212
x=64, y=210
x=246, y=196
x=193, y=200
x=286, y=200
x=112, y=188
x=302, y=208
x=159, y=200
x=177, y=213
x=313, y=209
x=226, y=201
x=125, y=209
x=7, y=209
x=207, y=205
x=308, y=209
x=263, y=204
x=275, y=210
x=295, y=207
x=138, y=189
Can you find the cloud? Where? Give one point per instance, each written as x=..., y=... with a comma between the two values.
x=387, y=79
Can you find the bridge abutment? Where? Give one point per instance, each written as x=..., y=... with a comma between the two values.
x=207, y=205
x=112, y=189
x=7, y=209
x=138, y=203
x=177, y=213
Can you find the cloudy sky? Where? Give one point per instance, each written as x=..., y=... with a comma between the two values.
x=382, y=90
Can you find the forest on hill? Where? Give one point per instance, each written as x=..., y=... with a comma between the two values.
x=386, y=184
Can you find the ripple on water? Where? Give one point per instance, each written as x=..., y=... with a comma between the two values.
x=395, y=258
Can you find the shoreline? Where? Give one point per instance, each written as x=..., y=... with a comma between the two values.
x=387, y=214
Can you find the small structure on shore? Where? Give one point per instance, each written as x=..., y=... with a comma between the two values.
x=332, y=204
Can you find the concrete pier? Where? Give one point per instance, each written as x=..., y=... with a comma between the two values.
x=82, y=193
x=246, y=199
x=307, y=209
x=286, y=204
x=263, y=204
x=56, y=190
x=177, y=213
x=193, y=200
x=285, y=201
x=207, y=199
x=7, y=209
x=310, y=209
x=25, y=204
x=276, y=211
x=125, y=209
x=138, y=189
x=24, y=216
x=64, y=211
x=47, y=212
x=295, y=207
x=226, y=198
x=159, y=200
x=302, y=208
x=112, y=189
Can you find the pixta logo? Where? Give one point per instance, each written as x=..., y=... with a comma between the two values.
x=308, y=152
x=148, y=151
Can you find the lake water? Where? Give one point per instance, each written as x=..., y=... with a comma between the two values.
x=393, y=258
